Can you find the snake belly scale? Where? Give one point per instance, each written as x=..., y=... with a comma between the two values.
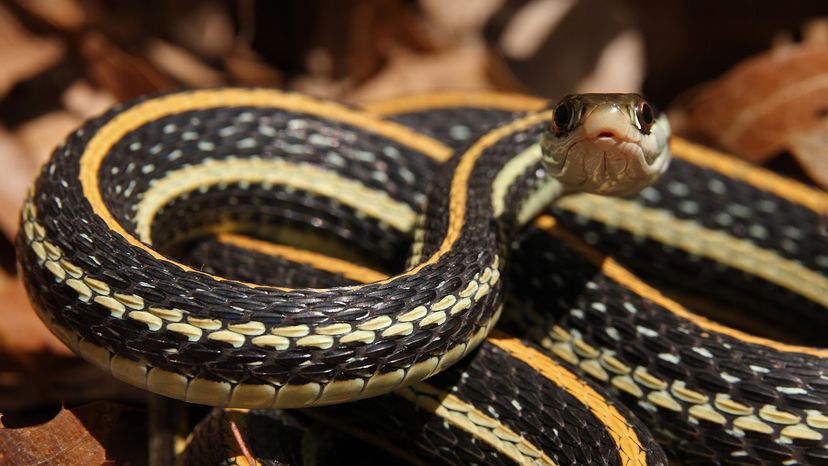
x=164, y=326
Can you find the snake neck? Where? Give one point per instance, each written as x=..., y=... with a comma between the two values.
x=495, y=189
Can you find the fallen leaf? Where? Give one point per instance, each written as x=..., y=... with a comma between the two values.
x=85, y=101
x=40, y=136
x=123, y=74
x=247, y=67
x=462, y=67
x=67, y=15
x=23, y=54
x=18, y=172
x=205, y=27
x=458, y=18
x=756, y=106
x=810, y=148
x=77, y=436
x=526, y=31
x=21, y=330
x=182, y=65
x=619, y=67
x=815, y=31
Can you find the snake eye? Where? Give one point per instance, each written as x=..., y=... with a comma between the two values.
x=646, y=116
x=562, y=116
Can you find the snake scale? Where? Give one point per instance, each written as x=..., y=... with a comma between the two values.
x=719, y=412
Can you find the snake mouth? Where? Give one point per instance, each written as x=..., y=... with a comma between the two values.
x=600, y=143
x=606, y=164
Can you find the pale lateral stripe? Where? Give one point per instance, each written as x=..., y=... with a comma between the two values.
x=354, y=194
x=509, y=173
x=540, y=200
x=673, y=395
x=249, y=395
x=467, y=417
x=694, y=238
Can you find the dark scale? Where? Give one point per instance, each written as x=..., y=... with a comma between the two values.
x=300, y=306
x=177, y=141
x=716, y=202
x=764, y=219
x=540, y=412
x=721, y=203
x=456, y=127
x=537, y=273
x=547, y=415
x=774, y=310
x=280, y=216
x=243, y=264
x=178, y=289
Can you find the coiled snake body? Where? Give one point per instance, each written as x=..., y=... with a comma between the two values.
x=167, y=327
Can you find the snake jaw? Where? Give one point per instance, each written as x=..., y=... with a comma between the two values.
x=607, y=153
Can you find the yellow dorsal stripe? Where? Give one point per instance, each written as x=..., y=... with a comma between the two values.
x=128, y=120
x=374, y=203
x=515, y=348
x=347, y=269
x=464, y=415
x=460, y=182
x=481, y=99
x=755, y=176
x=625, y=438
x=694, y=238
x=618, y=273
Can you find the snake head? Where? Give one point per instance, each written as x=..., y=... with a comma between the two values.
x=612, y=144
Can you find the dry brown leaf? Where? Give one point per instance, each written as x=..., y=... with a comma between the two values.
x=810, y=148
x=67, y=15
x=76, y=436
x=546, y=50
x=122, y=74
x=182, y=65
x=450, y=21
x=83, y=100
x=39, y=379
x=18, y=172
x=531, y=25
x=755, y=107
x=205, y=28
x=620, y=66
x=21, y=330
x=815, y=31
x=23, y=54
x=462, y=67
x=247, y=67
x=40, y=136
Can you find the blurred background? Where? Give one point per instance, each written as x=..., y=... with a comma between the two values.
x=747, y=77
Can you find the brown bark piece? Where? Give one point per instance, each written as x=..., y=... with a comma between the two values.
x=23, y=54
